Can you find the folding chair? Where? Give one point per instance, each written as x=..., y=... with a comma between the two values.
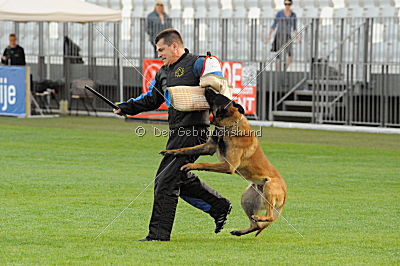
x=79, y=93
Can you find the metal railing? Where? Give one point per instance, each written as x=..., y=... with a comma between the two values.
x=373, y=100
x=347, y=81
x=331, y=44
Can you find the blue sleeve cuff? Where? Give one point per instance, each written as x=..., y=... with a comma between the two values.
x=217, y=73
x=149, y=93
x=167, y=98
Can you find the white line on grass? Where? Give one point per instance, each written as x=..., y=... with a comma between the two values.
x=264, y=198
x=116, y=217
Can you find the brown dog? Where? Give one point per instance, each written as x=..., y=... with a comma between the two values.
x=239, y=152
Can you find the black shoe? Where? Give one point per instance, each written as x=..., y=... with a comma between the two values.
x=220, y=219
x=152, y=239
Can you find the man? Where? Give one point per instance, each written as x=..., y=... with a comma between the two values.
x=180, y=69
x=286, y=21
x=157, y=21
x=14, y=54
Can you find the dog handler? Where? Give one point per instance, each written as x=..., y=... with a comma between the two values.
x=180, y=68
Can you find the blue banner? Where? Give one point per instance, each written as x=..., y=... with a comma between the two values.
x=14, y=91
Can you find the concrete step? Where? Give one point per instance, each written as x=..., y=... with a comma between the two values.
x=321, y=93
x=298, y=103
x=292, y=114
x=307, y=104
x=328, y=82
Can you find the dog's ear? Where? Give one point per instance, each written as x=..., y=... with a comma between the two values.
x=239, y=107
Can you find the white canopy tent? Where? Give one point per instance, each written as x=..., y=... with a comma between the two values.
x=63, y=11
x=56, y=11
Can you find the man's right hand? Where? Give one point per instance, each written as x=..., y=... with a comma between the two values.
x=4, y=58
x=118, y=112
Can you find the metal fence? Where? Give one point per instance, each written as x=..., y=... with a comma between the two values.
x=63, y=52
x=340, y=39
x=371, y=98
x=350, y=80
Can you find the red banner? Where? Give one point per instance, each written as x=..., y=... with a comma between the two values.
x=246, y=98
x=150, y=68
x=233, y=71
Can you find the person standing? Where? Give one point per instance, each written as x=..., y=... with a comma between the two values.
x=285, y=21
x=180, y=68
x=157, y=21
x=14, y=54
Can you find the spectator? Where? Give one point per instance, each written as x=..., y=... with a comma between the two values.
x=14, y=54
x=157, y=21
x=286, y=21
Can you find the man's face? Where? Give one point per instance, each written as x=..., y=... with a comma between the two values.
x=159, y=7
x=13, y=41
x=165, y=52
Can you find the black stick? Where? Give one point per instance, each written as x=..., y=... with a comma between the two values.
x=107, y=101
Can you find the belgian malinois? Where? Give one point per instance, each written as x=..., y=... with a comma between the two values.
x=240, y=152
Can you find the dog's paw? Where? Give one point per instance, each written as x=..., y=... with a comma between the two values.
x=163, y=152
x=167, y=152
x=236, y=233
x=188, y=167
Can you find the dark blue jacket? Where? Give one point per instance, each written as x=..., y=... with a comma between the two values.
x=155, y=25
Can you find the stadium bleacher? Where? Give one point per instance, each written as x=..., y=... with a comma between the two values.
x=211, y=11
x=261, y=8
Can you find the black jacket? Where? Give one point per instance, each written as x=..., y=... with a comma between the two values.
x=15, y=56
x=178, y=74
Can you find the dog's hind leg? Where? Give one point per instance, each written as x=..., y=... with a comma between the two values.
x=274, y=199
x=269, y=215
x=262, y=225
x=251, y=204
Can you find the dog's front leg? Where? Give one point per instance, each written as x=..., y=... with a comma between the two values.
x=213, y=167
x=208, y=148
x=231, y=162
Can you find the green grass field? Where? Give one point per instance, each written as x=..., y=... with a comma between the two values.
x=63, y=180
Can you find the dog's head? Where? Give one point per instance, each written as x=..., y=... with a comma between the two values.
x=225, y=111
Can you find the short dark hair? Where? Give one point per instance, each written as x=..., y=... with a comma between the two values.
x=170, y=36
x=12, y=35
